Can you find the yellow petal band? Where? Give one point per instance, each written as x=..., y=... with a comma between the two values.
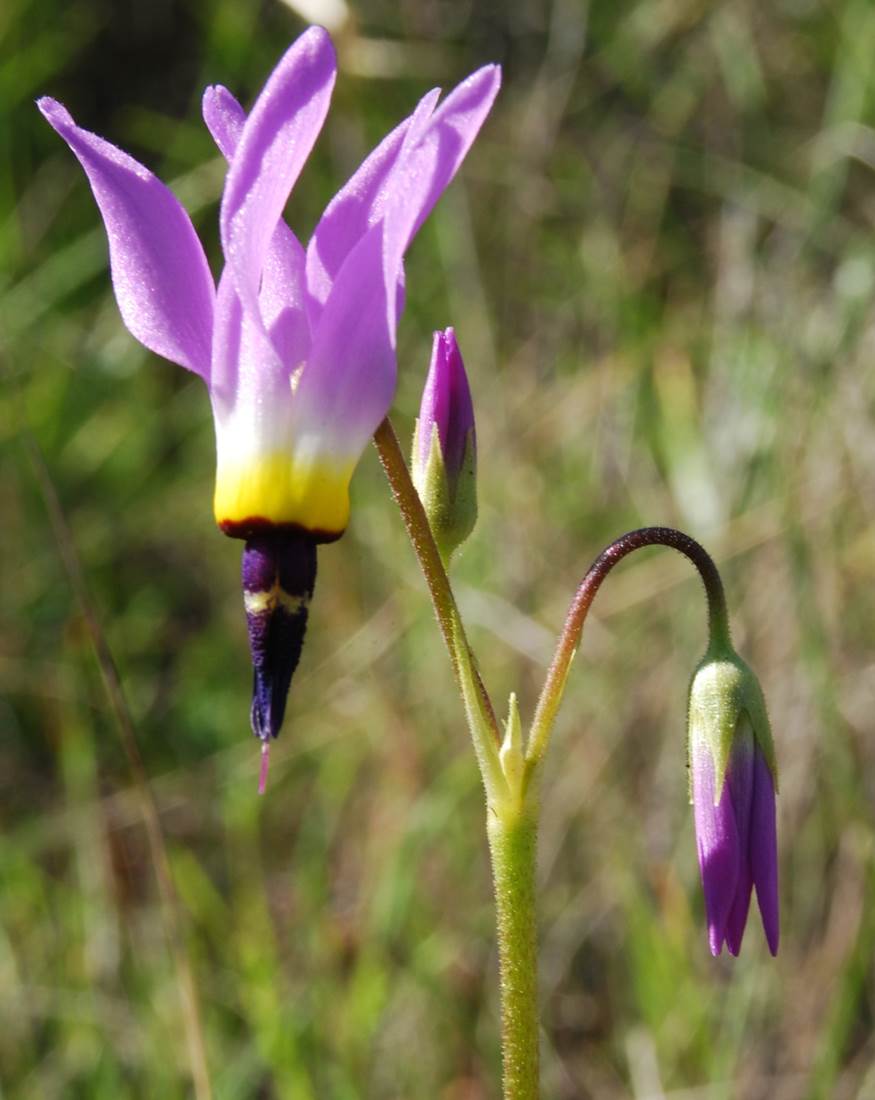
x=274, y=489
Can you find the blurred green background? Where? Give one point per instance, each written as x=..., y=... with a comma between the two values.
x=660, y=263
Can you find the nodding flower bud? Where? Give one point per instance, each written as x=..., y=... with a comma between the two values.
x=445, y=447
x=733, y=779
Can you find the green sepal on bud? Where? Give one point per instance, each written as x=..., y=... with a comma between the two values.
x=726, y=703
x=451, y=514
x=444, y=459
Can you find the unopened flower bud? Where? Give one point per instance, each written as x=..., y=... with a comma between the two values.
x=732, y=785
x=445, y=447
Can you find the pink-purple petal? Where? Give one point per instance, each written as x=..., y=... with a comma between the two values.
x=428, y=161
x=282, y=295
x=764, y=849
x=246, y=370
x=276, y=140
x=717, y=843
x=225, y=118
x=450, y=133
x=740, y=778
x=162, y=281
x=227, y=339
x=282, y=298
x=356, y=207
x=347, y=385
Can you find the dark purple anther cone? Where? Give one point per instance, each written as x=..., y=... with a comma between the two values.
x=279, y=573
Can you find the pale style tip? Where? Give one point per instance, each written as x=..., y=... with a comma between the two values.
x=265, y=764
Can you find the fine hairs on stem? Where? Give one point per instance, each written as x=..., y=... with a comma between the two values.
x=416, y=522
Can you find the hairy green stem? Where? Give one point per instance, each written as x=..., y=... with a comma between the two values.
x=419, y=530
x=513, y=837
x=511, y=816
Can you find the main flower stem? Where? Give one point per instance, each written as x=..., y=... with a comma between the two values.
x=513, y=834
x=511, y=817
x=419, y=530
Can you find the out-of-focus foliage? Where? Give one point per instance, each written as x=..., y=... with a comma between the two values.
x=660, y=261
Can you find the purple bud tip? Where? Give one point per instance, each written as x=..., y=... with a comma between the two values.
x=279, y=573
x=446, y=404
x=736, y=840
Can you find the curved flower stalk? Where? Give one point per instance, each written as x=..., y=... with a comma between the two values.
x=296, y=345
x=733, y=770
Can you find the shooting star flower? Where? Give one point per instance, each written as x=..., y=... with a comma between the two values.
x=296, y=346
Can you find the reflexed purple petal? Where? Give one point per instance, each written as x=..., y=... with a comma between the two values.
x=717, y=842
x=347, y=385
x=224, y=117
x=432, y=149
x=401, y=180
x=428, y=169
x=162, y=282
x=281, y=298
x=740, y=778
x=357, y=206
x=276, y=140
x=246, y=370
x=249, y=363
x=764, y=849
x=455, y=125
x=227, y=341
